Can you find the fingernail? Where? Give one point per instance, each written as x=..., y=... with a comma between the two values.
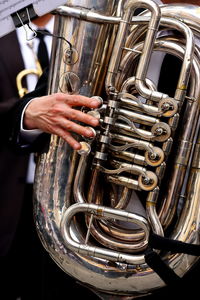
x=97, y=100
x=95, y=122
x=95, y=103
x=89, y=132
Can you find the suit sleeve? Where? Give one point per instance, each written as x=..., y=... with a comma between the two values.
x=16, y=140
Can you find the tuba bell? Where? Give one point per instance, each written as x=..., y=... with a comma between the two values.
x=125, y=207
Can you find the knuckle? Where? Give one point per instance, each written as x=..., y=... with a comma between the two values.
x=68, y=126
x=75, y=101
x=72, y=114
x=59, y=132
x=58, y=95
x=56, y=109
x=65, y=137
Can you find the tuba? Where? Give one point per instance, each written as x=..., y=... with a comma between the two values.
x=125, y=207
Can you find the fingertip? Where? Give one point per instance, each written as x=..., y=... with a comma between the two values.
x=76, y=146
x=95, y=103
x=95, y=122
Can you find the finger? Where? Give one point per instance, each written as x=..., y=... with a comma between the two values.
x=78, y=115
x=68, y=138
x=79, y=100
x=68, y=125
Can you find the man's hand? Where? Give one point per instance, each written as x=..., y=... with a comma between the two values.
x=54, y=114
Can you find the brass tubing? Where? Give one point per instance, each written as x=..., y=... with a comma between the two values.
x=124, y=245
x=138, y=118
x=129, y=8
x=97, y=251
x=190, y=216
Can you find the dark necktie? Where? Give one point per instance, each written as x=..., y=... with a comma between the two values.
x=42, y=54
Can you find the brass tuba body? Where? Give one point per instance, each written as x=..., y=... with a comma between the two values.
x=97, y=208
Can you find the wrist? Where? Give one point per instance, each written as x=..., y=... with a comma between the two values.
x=28, y=120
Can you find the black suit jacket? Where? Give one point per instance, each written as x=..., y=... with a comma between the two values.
x=13, y=166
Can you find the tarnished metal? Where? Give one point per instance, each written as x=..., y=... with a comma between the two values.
x=95, y=208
